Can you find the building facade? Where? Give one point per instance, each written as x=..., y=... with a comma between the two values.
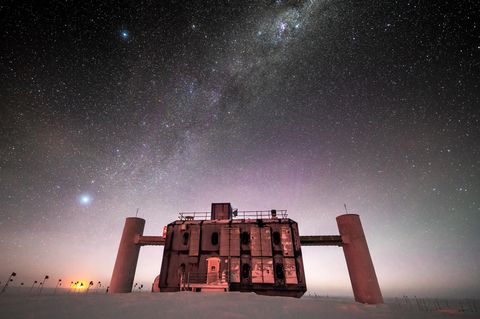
x=250, y=251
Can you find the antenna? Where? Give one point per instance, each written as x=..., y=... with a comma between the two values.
x=345, y=205
x=136, y=214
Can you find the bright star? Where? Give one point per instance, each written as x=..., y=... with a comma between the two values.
x=85, y=199
x=124, y=34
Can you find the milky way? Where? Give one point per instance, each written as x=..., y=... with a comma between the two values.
x=297, y=105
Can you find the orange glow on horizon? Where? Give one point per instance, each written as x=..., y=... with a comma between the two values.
x=80, y=284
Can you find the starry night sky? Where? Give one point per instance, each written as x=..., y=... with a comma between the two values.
x=297, y=105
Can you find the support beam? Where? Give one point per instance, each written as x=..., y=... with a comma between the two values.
x=150, y=240
x=327, y=240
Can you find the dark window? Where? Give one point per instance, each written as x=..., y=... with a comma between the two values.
x=276, y=238
x=245, y=271
x=185, y=238
x=279, y=271
x=214, y=239
x=245, y=238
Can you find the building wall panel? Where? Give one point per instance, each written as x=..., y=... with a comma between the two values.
x=300, y=271
x=276, y=237
x=194, y=245
x=257, y=270
x=234, y=269
x=245, y=241
x=267, y=270
x=266, y=240
x=207, y=235
x=296, y=238
x=230, y=241
x=245, y=277
x=255, y=241
x=290, y=271
x=179, y=242
x=262, y=270
x=286, y=238
x=279, y=277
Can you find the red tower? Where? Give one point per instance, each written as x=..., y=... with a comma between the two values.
x=359, y=263
x=127, y=256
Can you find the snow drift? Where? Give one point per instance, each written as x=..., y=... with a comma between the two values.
x=201, y=305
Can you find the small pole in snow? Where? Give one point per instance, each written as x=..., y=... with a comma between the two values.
x=13, y=274
x=59, y=283
x=99, y=285
x=43, y=283
x=89, y=285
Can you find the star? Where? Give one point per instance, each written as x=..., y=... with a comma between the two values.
x=125, y=34
x=85, y=199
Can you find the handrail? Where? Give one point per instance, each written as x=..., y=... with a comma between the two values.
x=245, y=214
x=194, y=215
x=202, y=278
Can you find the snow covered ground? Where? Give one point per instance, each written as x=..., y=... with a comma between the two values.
x=20, y=304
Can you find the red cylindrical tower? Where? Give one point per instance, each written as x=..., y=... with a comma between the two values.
x=127, y=256
x=359, y=263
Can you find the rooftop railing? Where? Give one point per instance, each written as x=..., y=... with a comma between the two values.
x=246, y=214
